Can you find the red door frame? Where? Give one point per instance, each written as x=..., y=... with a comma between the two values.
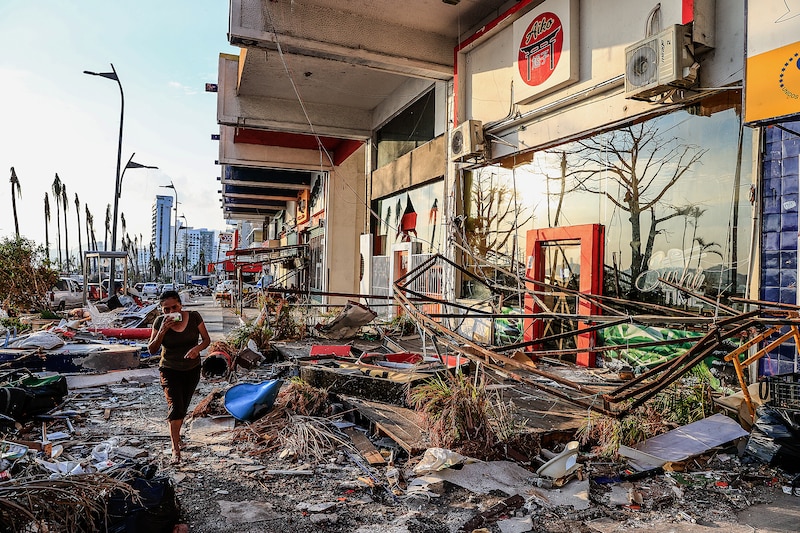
x=592, y=243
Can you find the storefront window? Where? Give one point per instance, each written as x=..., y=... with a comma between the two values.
x=667, y=191
x=410, y=129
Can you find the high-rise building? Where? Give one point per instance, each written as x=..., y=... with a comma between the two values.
x=161, y=229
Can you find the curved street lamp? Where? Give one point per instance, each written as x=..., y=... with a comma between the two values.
x=113, y=76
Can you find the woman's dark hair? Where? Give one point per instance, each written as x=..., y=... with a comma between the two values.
x=169, y=294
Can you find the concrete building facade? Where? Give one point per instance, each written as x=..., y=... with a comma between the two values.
x=608, y=143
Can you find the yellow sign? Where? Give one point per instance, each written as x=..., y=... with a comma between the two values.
x=773, y=84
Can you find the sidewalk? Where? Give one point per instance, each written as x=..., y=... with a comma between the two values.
x=219, y=320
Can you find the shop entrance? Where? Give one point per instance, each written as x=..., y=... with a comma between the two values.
x=569, y=257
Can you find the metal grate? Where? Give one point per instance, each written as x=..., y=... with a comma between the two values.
x=785, y=391
x=381, y=286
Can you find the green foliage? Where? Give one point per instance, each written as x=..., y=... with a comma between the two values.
x=14, y=322
x=25, y=275
x=261, y=335
x=401, y=325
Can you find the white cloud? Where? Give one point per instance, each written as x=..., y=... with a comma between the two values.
x=185, y=88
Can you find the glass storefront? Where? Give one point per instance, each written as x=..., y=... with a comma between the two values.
x=667, y=190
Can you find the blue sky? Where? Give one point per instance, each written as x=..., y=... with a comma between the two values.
x=57, y=119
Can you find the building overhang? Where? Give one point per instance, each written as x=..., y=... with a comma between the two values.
x=315, y=79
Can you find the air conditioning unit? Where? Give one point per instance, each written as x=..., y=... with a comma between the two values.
x=659, y=63
x=467, y=140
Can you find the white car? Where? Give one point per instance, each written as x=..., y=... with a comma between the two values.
x=230, y=286
x=150, y=290
x=66, y=294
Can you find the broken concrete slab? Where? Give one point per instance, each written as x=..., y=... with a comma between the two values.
x=574, y=493
x=211, y=430
x=320, y=507
x=484, y=477
x=684, y=442
x=246, y=512
x=517, y=524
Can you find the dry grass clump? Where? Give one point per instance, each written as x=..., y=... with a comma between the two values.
x=75, y=503
x=456, y=412
x=262, y=433
x=301, y=398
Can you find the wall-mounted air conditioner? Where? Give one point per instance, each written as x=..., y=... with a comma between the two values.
x=466, y=140
x=659, y=63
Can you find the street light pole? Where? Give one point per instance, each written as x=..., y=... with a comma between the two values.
x=185, y=229
x=113, y=76
x=130, y=164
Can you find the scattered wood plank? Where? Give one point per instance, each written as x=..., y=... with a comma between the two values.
x=367, y=450
x=398, y=423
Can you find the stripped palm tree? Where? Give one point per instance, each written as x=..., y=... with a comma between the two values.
x=136, y=256
x=131, y=255
x=90, y=217
x=47, y=224
x=87, y=218
x=16, y=189
x=122, y=221
x=140, y=255
x=89, y=233
x=56, y=187
x=65, y=205
x=80, y=246
x=108, y=225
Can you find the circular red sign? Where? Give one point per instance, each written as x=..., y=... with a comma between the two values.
x=540, y=48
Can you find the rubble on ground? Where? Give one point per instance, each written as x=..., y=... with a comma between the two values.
x=465, y=450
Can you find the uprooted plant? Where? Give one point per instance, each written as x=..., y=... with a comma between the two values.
x=261, y=334
x=74, y=503
x=308, y=437
x=456, y=411
x=300, y=398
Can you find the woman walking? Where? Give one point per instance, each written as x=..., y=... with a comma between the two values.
x=176, y=334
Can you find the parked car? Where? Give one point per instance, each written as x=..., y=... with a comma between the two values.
x=150, y=290
x=230, y=286
x=66, y=294
x=117, y=284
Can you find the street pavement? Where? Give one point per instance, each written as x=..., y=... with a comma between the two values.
x=219, y=320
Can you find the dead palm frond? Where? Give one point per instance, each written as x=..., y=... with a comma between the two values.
x=309, y=437
x=74, y=503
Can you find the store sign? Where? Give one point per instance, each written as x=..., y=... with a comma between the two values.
x=772, y=80
x=546, y=47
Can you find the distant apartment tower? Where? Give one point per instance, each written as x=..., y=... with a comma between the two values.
x=161, y=238
x=195, y=249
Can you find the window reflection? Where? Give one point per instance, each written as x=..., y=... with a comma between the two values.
x=667, y=191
